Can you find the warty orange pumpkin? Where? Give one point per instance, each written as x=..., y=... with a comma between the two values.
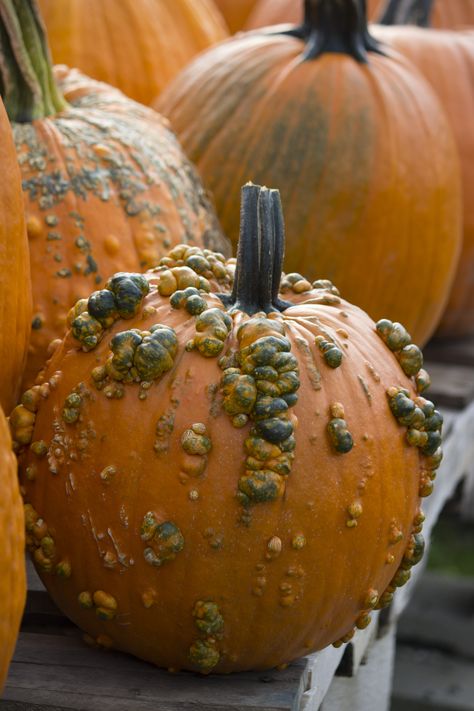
x=15, y=281
x=341, y=128
x=136, y=45
x=446, y=60
x=107, y=185
x=223, y=468
x=12, y=551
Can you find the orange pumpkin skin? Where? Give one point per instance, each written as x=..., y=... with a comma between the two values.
x=112, y=191
x=12, y=555
x=15, y=282
x=177, y=533
x=446, y=60
x=139, y=46
x=338, y=136
x=236, y=12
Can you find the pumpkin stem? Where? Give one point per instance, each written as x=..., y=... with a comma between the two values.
x=259, y=254
x=338, y=26
x=407, y=12
x=27, y=85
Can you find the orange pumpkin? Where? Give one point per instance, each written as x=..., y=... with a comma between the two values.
x=220, y=476
x=15, y=282
x=334, y=122
x=442, y=14
x=446, y=59
x=235, y=12
x=12, y=553
x=107, y=186
x=138, y=46
x=274, y=12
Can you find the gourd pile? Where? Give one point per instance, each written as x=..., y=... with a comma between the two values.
x=222, y=463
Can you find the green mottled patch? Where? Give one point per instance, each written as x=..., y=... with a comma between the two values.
x=340, y=437
x=208, y=619
x=204, y=655
x=167, y=541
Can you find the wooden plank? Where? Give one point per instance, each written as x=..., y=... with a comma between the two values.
x=430, y=680
x=370, y=689
x=458, y=457
x=457, y=352
x=440, y=614
x=63, y=673
x=452, y=385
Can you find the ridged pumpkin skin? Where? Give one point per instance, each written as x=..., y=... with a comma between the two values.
x=15, y=282
x=446, y=60
x=176, y=531
x=235, y=12
x=12, y=553
x=274, y=12
x=138, y=45
x=338, y=136
x=107, y=188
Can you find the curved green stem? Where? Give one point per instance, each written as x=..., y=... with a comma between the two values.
x=407, y=12
x=27, y=85
x=338, y=26
x=259, y=254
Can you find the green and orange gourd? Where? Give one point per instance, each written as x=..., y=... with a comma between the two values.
x=106, y=184
x=223, y=466
x=137, y=46
x=446, y=60
x=321, y=111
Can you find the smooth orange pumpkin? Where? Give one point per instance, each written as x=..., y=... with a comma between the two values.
x=12, y=554
x=15, y=282
x=335, y=124
x=226, y=482
x=235, y=12
x=107, y=186
x=136, y=45
x=446, y=59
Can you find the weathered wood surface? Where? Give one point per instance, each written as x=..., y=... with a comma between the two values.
x=453, y=385
x=53, y=670
x=456, y=352
x=435, y=648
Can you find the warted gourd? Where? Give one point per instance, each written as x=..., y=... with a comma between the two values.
x=446, y=60
x=15, y=281
x=321, y=112
x=227, y=465
x=12, y=551
x=107, y=186
x=136, y=45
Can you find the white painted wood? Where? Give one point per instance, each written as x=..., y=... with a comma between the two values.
x=458, y=458
x=370, y=689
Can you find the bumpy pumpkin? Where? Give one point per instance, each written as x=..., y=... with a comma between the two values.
x=138, y=45
x=107, y=186
x=332, y=121
x=446, y=59
x=236, y=12
x=442, y=14
x=12, y=555
x=15, y=282
x=222, y=468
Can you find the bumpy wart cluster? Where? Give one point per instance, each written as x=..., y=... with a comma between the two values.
x=263, y=388
x=410, y=357
x=165, y=540
x=204, y=653
x=121, y=298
